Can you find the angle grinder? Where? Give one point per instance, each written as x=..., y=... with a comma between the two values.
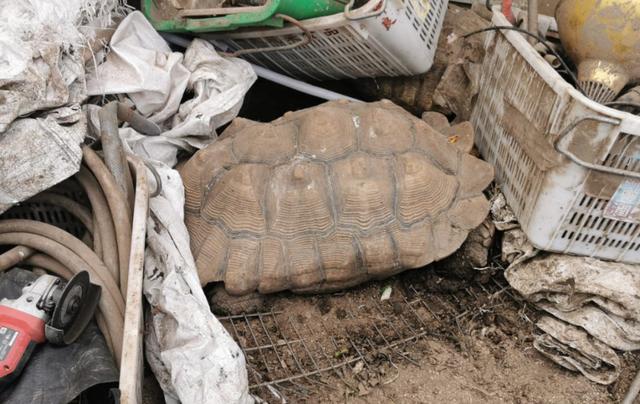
x=49, y=309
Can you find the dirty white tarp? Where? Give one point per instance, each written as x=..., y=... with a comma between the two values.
x=598, y=298
x=601, y=297
x=41, y=62
x=190, y=352
x=38, y=153
x=42, y=44
x=142, y=65
x=593, y=306
x=188, y=349
x=516, y=247
x=572, y=348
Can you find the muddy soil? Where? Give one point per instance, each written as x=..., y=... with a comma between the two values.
x=437, y=339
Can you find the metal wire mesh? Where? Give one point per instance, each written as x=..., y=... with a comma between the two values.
x=289, y=360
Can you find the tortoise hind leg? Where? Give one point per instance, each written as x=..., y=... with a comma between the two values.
x=224, y=304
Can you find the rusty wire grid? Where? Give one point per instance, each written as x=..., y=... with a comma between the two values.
x=291, y=361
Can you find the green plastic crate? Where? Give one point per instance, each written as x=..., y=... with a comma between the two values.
x=166, y=18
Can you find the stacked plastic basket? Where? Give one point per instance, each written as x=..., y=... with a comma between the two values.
x=568, y=166
x=379, y=38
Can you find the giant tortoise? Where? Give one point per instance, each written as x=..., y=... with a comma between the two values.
x=328, y=197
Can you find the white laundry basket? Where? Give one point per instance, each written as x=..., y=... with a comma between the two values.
x=568, y=166
x=389, y=38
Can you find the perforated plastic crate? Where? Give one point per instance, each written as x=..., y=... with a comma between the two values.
x=568, y=166
x=389, y=38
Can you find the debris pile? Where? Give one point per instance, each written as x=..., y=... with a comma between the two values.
x=45, y=46
x=243, y=260
x=599, y=298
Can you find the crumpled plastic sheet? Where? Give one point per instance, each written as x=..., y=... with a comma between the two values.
x=50, y=80
x=516, y=247
x=42, y=70
x=572, y=348
x=142, y=65
x=192, y=355
x=599, y=296
x=39, y=68
x=37, y=153
x=593, y=305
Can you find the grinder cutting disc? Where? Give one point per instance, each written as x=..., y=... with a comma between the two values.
x=74, y=310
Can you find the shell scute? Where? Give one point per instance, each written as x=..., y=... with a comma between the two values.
x=298, y=200
x=236, y=200
x=384, y=131
x=423, y=190
x=364, y=189
x=337, y=134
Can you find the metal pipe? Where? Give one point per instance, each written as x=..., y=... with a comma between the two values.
x=114, y=154
x=138, y=122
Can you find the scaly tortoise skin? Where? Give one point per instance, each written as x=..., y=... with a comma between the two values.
x=329, y=197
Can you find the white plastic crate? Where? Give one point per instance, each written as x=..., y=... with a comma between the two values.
x=399, y=40
x=568, y=166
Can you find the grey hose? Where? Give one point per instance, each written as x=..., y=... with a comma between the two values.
x=97, y=241
x=47, y=263
x=103, y=220
x=113, y=150
x=119, y=212
x=108, y=305
x=14, y=256
x=70, y=242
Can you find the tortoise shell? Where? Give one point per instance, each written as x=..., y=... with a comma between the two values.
x=328, y=197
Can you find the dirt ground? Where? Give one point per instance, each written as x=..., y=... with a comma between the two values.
x=435, y=340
